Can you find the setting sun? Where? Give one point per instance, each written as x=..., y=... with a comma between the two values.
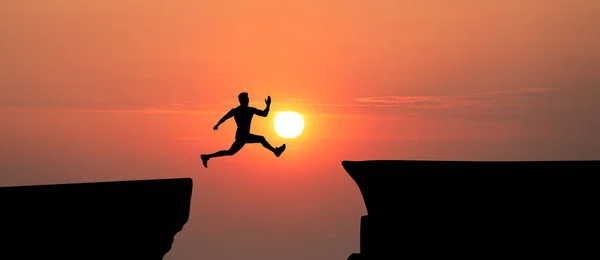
x=289, y=124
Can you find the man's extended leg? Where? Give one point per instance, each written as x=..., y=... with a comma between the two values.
x=262, y=140
x=235, y=147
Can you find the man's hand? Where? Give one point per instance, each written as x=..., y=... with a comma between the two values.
x=216, y=127
x=268, y=100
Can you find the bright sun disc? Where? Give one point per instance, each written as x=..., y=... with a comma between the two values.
x=289, y=124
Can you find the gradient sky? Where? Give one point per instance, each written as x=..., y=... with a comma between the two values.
x=104, y=90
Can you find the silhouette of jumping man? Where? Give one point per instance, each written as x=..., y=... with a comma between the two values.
x=243, y=118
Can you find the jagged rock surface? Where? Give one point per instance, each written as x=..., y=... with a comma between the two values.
x=477, y=210
x=103, y=220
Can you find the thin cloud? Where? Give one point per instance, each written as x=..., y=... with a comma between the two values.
x=502, y=104
x=157, y=110
x=494, y=104
x=516, y=97
x=297, y=100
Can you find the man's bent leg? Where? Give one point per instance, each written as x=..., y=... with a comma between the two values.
x=260, y=139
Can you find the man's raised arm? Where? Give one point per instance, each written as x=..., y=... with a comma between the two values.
x=223, y=119
x=265, y=112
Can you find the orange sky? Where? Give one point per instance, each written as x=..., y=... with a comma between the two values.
x=129, y=89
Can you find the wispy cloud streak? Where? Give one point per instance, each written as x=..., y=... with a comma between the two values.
x=504, y=103
x=518, y=97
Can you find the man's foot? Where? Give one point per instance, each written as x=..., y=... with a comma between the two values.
x=279, y=150
x=204, y=158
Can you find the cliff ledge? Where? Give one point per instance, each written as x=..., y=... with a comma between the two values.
x=104, y=220
x=477, y=210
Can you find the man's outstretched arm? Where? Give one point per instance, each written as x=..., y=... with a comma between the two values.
x=224, y=118
x=265, y=112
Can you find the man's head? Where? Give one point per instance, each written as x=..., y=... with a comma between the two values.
x=243, y=98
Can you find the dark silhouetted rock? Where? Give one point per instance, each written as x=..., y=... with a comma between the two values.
x=477, y=210
x=105, y=220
